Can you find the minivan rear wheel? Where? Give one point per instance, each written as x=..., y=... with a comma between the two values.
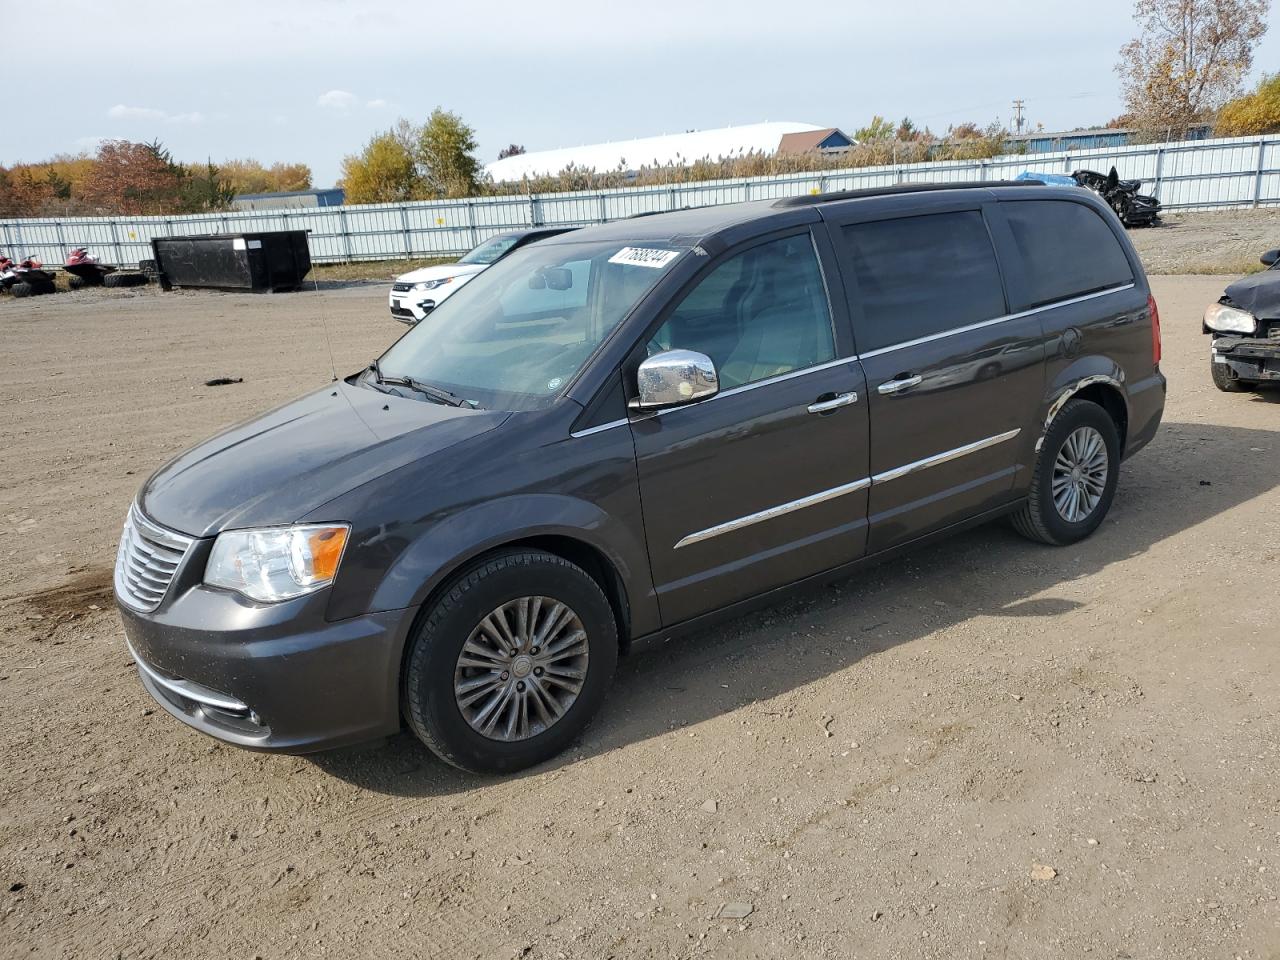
x=510, y=662
x=1075, y=476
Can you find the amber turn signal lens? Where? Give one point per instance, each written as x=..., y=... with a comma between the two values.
x=326, y=550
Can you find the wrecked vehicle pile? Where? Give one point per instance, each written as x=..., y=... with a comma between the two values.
x=1133, y=208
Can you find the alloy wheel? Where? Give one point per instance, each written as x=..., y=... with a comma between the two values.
x=521, y=668
x=1080, y=474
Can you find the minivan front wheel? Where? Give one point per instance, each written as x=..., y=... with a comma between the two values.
x=510, y=662
x=1075, y=476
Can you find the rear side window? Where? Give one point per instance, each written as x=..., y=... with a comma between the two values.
x=1067, y=251
x=923, y=275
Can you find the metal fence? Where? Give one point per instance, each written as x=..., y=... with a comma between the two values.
x=1205, y=174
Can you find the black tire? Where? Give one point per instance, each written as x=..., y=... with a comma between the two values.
x=124, y=280
x=1038, y=519
x=22, y=289
x=76, y=283
x=430, y=703
x=42, y=287
x=149, y=269
x=1224, y=381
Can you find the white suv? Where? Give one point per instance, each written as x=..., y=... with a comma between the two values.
x=417, y=293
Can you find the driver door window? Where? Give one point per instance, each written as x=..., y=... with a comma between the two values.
x=760, y=314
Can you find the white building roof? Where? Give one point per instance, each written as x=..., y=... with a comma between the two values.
x=675, y=148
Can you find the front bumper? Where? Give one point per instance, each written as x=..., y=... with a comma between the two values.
x=410, y=307
x=1250, y=358
x=270, y=677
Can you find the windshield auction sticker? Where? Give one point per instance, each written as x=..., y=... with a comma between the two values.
x=644, y=257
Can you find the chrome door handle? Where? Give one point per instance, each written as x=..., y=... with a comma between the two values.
x=897, y=386
x=835, y=403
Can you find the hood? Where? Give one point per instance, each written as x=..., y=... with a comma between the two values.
x=285, y=464
x=441, y=271
x=1258, y=294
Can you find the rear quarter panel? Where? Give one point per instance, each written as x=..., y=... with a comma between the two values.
x=1098, y=337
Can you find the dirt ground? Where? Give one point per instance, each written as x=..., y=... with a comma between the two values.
x=988, y=749
x=1226, y=241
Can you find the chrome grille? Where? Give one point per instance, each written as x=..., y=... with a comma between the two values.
x=146, y=561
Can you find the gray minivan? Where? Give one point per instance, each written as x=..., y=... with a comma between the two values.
x=627, y=431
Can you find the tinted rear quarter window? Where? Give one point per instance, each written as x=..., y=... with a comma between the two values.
x=1067, y=250
x=918, y=276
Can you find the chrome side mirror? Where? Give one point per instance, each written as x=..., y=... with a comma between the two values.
x=673, y=378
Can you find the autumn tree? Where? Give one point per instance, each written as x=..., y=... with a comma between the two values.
x=1254, y=113
x=134, y=178
x=204, y=188
x=288, y=177
x=878, y=129
x=383, y=172
x=446, y=155
x=250, y=176
x=1188, y=59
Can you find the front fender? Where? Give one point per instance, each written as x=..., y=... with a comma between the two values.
x=440, y=549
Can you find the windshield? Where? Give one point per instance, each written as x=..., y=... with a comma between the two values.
x=490, y=251
x=516, y=334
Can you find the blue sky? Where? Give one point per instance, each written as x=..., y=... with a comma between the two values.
x=311, y=80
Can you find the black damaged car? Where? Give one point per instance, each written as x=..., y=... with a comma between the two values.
x=1245, y=326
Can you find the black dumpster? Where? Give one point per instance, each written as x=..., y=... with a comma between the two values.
x=234, y=261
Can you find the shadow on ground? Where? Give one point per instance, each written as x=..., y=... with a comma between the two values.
x=1193, y=472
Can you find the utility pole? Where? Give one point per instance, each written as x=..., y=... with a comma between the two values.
x=1017, y=115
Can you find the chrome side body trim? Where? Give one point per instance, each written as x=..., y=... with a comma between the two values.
x=598, y=429
x=945, y=457
x=992, y=322
x=772, y=512
x=188, y=690
x=825, y=495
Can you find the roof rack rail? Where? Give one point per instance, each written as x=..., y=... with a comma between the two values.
x=654, y=213
x=806, y=200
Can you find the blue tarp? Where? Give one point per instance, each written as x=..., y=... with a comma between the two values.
x=1052, y=179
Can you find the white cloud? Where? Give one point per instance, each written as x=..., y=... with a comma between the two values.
x=376, y=104
x=337, y=100
x=122, y=112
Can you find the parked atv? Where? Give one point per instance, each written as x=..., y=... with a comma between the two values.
x=30, y=279
x=1134, y=209
x=85, y=270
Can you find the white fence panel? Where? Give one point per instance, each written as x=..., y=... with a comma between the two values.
x=1233, y=173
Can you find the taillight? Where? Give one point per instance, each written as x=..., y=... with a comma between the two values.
x=1155, y=328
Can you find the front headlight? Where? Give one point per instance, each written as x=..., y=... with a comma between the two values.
x=1226, y=319
x=432, y=284
x=276, y=563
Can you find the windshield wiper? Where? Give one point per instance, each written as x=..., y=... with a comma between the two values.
x=438, y=394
